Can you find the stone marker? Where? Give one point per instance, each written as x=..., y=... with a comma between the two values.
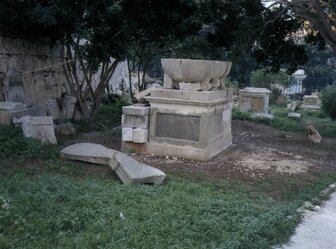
x=68, y=107
x=10, y=110
x=190, y=86
x=293, y=106
x=53, y=109
x=294, y=115
x=281, y=100
x=128, y=170
x=131, y=171
x=257, y=97
x=314, y=135
x=40, y=128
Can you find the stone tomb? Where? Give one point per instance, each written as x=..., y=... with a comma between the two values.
x=10, y=110
x=254, y=100
x=311, y=103
x=189, y=124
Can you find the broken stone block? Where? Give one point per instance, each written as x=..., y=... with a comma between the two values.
x=133, y=121
x=294, y=115
x=88, y=152
x=10, y=110
x=53, y=109
x=140, y=135
x=127, y=134
x=293, y=106
x=262, y=115
x=136, y=110
x=40, y=128
x=128, y=170
x=190, y=86
x=131, y=171
x=68, y=107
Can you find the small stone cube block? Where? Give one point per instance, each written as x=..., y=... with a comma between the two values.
x=133, y=121
x=140, y=135
x=127, y=134
x=136, y=110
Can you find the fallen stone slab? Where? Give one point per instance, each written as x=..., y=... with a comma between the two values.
x=262, y=115
x=294, y=115
x=128, y=169
x=88, y=152
x=131, y=171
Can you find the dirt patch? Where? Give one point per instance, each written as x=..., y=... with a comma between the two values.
x=258, y=151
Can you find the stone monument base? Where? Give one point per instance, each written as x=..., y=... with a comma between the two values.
x=189, y=124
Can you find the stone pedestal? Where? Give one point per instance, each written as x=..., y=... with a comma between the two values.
x=10, y=110
x=254, y=100
x=189, y=124
x=135, y=122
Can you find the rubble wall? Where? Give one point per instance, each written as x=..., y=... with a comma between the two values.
x=22, y=57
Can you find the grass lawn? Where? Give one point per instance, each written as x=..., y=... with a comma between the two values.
x=320, y=121
x=49, y=203
x=56, y=204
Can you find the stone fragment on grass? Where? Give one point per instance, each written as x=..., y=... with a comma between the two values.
x=128, y=170
x=131, y=171
x=294, y=115
x=88, y=152
x=262, y=115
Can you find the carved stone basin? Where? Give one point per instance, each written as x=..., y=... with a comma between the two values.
x=208, y=73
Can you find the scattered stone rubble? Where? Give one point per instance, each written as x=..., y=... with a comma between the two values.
x=128, y=170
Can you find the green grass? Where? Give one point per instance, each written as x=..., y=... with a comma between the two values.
x=320, y=121
x=55, y=204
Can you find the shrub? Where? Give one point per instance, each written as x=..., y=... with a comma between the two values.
x=329, y=101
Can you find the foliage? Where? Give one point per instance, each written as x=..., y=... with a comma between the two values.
x=323, y=124
x=329, y=101
x=277, y=82
x=13, y=144
x=110, y=114
x=320, y=69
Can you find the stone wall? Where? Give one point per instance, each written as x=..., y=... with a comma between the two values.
x=22, y=59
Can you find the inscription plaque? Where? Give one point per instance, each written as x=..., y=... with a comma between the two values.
x=185, y=127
